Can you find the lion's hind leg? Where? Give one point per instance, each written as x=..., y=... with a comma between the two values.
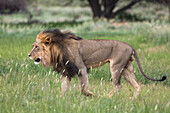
x=116, y=77
x=130, y=77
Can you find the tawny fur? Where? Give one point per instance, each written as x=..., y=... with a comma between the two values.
x=71, y=55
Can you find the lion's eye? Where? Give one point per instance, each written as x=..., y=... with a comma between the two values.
x=36, y=47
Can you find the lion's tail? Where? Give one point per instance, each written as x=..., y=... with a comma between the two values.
x=140, y=68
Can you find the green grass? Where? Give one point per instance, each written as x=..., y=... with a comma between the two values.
x=25, y=87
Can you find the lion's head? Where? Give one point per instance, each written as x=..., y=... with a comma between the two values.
x=48, y=48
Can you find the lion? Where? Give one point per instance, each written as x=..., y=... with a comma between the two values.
x=71, y=55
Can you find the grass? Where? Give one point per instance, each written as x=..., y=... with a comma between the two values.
x=25, y=87
x=49, y=14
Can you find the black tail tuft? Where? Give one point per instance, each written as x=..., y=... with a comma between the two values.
x=163, y=78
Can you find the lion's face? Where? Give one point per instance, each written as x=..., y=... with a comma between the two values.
x=48, y=48
x=40, y=52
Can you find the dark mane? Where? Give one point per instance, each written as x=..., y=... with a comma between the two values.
x=57, y=35
x=59, y=56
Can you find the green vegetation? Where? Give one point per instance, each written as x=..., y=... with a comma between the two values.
x=25, y=87
x=43, y=13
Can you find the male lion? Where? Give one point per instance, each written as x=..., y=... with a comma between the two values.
x=71, y=55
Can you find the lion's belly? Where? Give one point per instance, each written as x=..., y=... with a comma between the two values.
x=97, y=58
x=95, y=64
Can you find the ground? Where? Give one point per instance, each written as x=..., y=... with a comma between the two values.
x=25, y=87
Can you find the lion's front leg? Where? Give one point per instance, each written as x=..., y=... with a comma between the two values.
x=65, y=81
x=83, y=79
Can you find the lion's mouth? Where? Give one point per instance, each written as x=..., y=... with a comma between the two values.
x=37, y=61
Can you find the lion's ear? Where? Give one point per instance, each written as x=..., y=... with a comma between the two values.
x=48, y=41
